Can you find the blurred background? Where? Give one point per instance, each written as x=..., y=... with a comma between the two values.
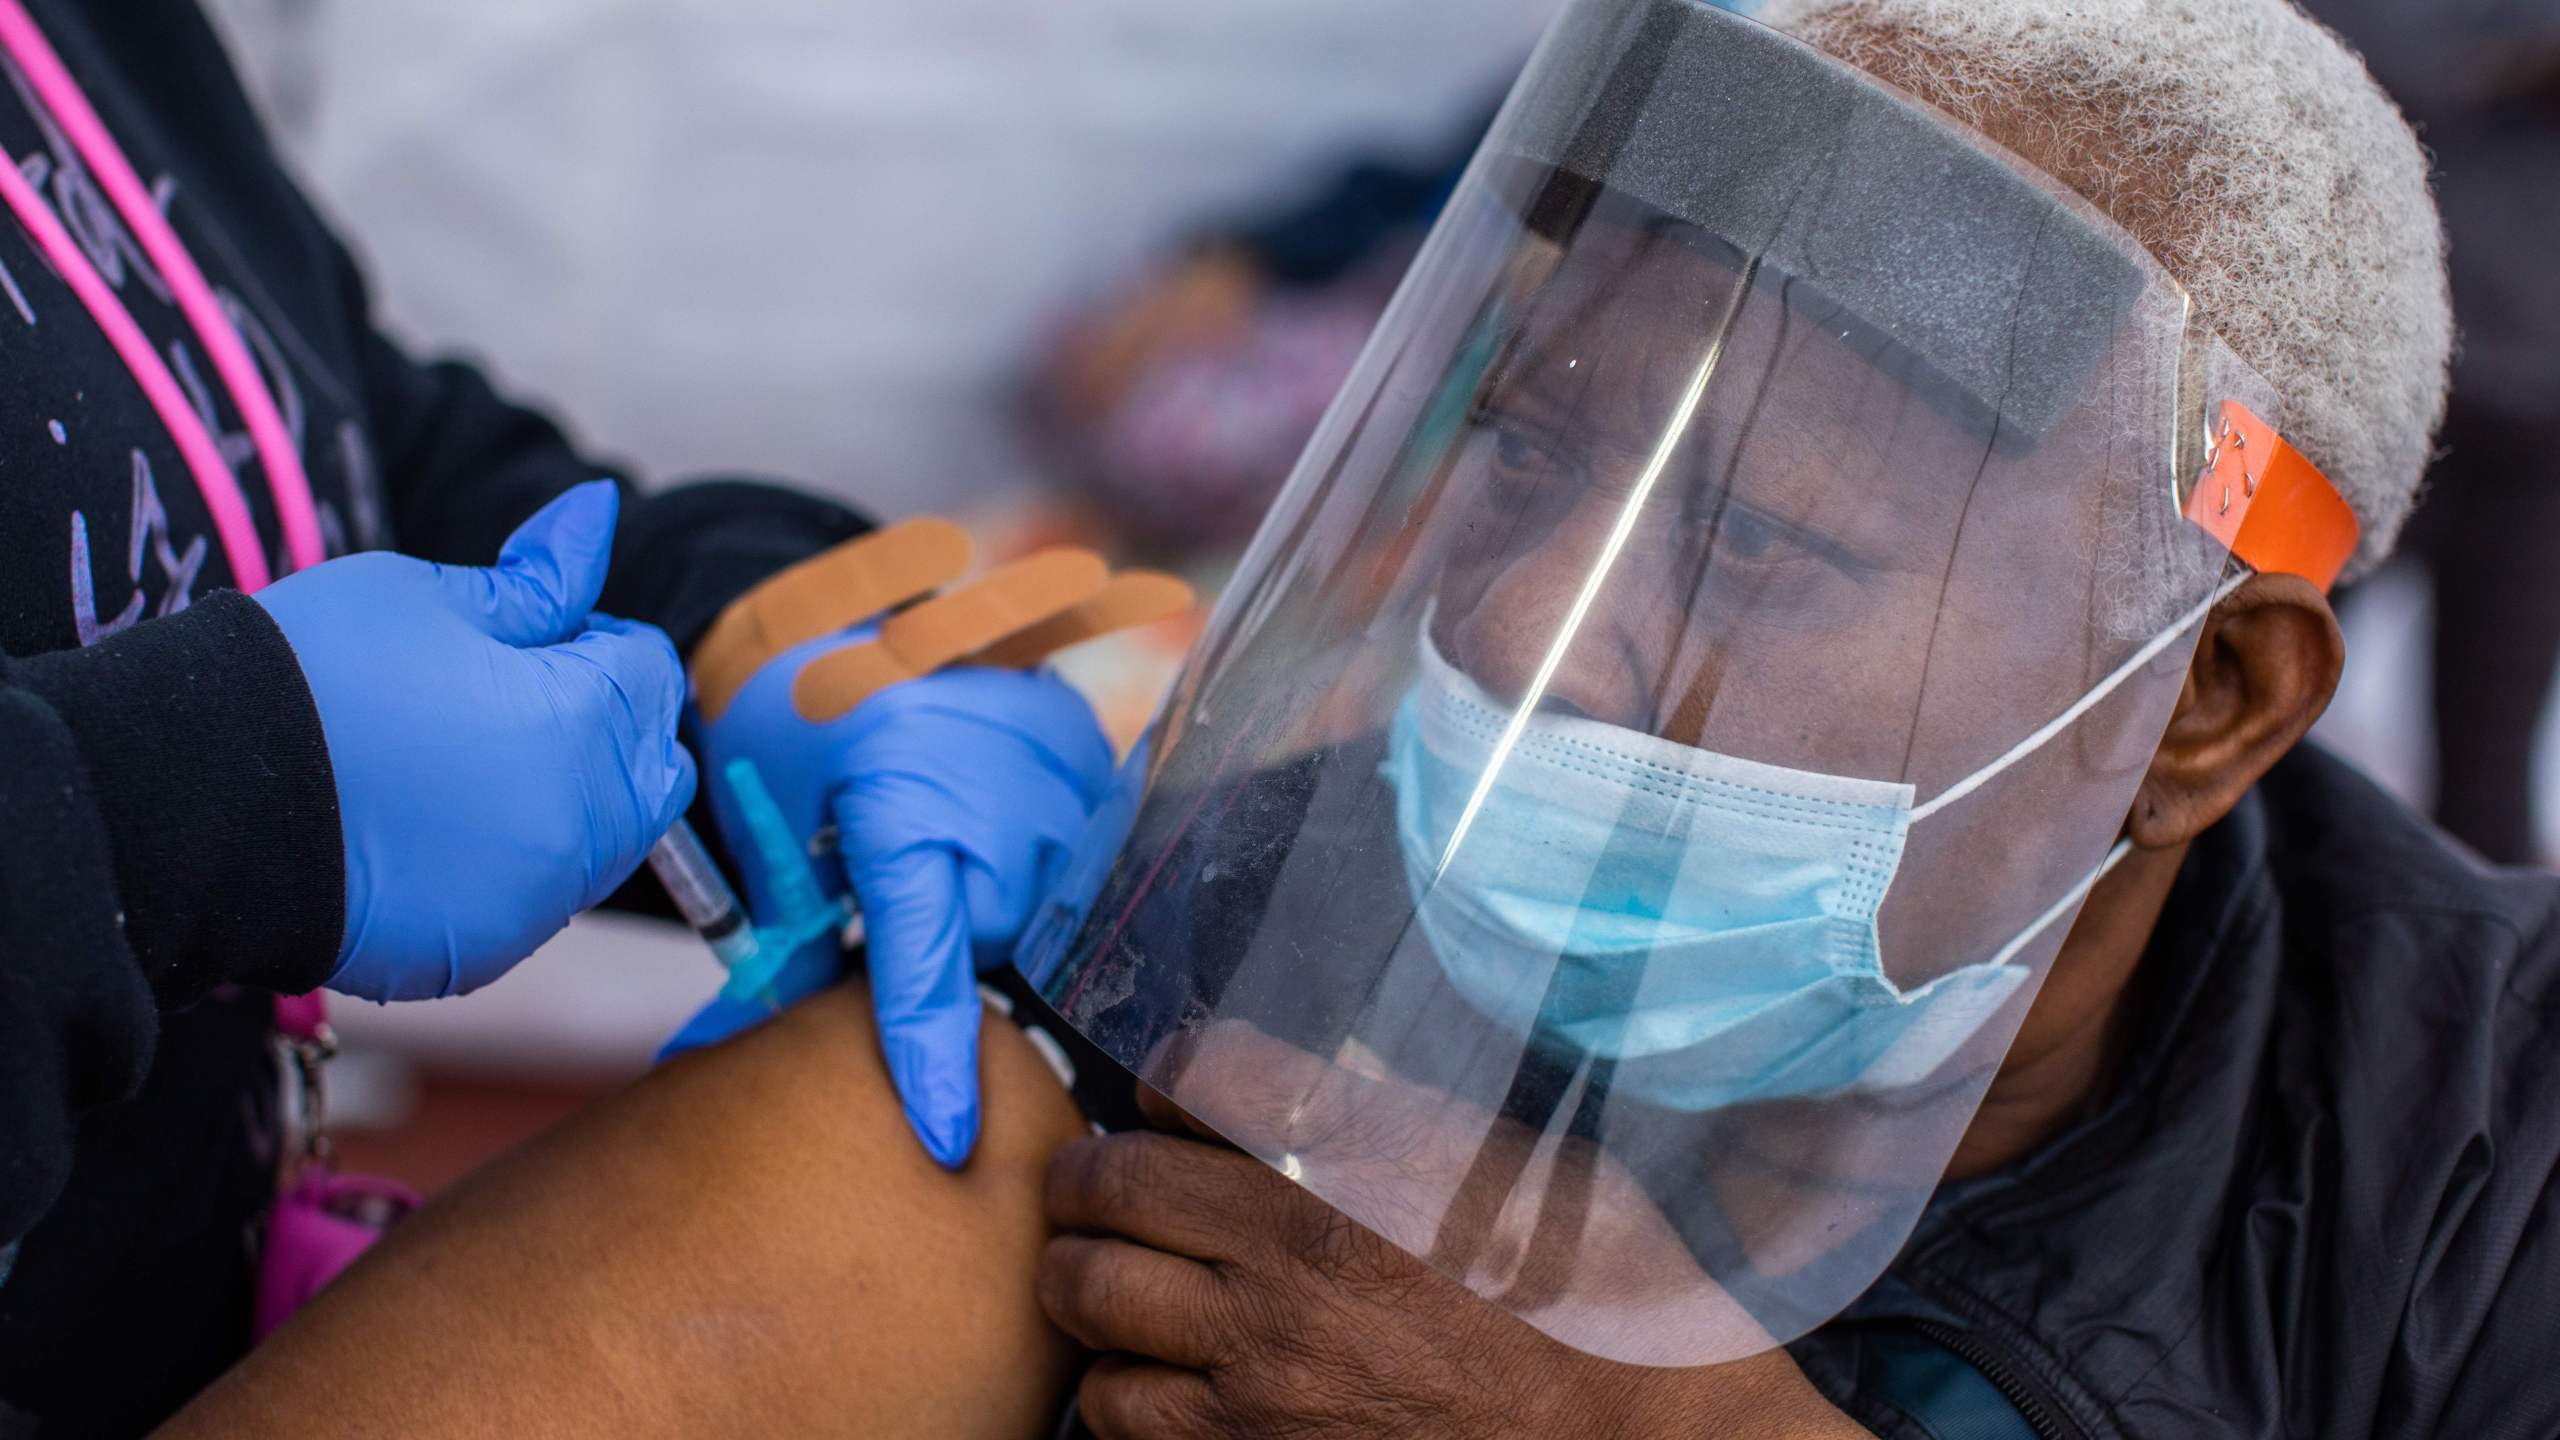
x=1091, y=272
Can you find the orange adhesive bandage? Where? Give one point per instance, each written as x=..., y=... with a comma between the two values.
x=920, y=640
x=1014, y=617
x=1132, y=599
x=821, y=595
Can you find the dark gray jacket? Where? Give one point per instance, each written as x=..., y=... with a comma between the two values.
x=2323, y=1199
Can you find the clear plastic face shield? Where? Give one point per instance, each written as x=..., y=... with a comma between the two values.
x=1654, y=751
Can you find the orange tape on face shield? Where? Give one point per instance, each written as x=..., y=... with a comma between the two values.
x=2276, y=511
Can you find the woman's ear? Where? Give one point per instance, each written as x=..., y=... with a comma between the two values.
x=2265, y=667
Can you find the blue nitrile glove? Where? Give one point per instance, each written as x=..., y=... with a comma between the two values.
x=956, y=800
x=504, y=758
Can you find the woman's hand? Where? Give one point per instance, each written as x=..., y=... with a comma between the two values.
x=1229, y=1302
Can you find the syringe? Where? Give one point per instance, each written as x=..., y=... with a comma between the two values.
x=703, y=895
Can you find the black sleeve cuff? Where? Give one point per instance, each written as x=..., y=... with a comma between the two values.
x=683, y=554
x=205, y=753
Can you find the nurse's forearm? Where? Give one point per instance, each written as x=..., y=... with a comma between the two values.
x=746, y=1242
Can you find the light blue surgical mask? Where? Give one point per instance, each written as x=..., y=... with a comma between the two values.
x=1707, y=922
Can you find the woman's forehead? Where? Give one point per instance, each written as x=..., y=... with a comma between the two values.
x=1796, y=405
x=1623, y=322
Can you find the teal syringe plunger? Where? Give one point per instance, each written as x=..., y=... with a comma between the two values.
x=753, y=954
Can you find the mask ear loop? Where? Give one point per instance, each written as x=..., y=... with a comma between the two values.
x=2275, y=511
x=2084, y=704
x=2070, y=900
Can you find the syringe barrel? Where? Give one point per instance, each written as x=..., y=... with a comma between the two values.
x=702, y=894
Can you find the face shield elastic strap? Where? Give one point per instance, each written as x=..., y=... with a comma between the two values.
x=2097, y=693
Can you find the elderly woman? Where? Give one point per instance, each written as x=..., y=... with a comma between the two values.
x=1739, y=859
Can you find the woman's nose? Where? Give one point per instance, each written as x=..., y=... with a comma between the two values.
x=1609, y=668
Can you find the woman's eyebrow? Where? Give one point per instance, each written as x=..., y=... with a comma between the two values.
x=1531, y=399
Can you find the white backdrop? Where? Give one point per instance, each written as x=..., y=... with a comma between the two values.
x=813, y=236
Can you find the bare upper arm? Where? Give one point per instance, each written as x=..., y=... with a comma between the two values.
x=746, y=1241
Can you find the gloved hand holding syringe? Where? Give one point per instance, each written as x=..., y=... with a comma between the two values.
x=924, y=764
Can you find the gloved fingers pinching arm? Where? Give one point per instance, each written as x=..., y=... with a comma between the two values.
x=924, y=991
x=955, y=794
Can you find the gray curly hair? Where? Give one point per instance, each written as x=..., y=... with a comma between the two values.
x=2249, y=149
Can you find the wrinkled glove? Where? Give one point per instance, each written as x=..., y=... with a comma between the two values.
x=504, y=758
x=955, y=801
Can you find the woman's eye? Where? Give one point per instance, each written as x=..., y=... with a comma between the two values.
x=1747, y=535
x=1515, y=450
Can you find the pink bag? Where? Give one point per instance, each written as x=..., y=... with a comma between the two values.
x=323, y=1220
